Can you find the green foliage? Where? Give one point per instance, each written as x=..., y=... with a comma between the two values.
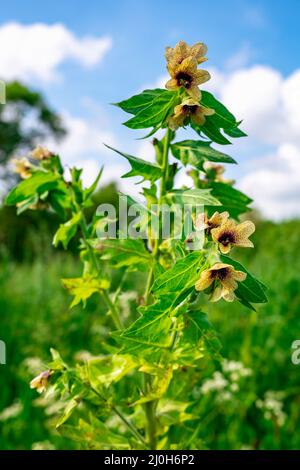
x=139, y=167
x=232, y=200
x=180, y=277
x=152, y=329
x=164, y=333
x=261, y=341
x=39, y=183
x=151, y=108
x=137, y=103
x=67, y=231
x=249, y=291
x=196, y=153
x=83, y=287
x=195, y=197
x=129, y=253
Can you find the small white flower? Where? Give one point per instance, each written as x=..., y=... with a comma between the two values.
x=11, y=411
x=234, y=387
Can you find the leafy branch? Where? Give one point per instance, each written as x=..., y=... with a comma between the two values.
x=162, y=339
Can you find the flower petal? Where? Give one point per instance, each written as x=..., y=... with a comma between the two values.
x=217, y=266
x=198, y=51
x=169, y=53
x=217, y=294
x=225, y=248
x=208, y=111
x=239, y=275
x=229, y=283
x=201, y=76
x=204, y=281
x=194, y=92
x=228, y=296
x=188, y=65
x=171, y=84
x=176, y=121
x=245, y=229
x=198, y=118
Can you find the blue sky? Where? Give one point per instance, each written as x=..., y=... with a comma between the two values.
x=249, y=42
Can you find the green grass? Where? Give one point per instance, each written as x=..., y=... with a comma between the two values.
x=35, y=316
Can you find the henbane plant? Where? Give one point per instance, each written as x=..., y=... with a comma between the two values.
x=138, y=393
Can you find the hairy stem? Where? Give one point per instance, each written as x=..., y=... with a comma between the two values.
x=150, y=407
x=85, y=234
x=114, y=312
x=123, y=418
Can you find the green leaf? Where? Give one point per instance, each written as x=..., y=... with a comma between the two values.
x=232, y=200
x=180, y=277
x=136, y=103
x=198, y=327
x=87, y=193
x=152, y=329
x=38, y=183
x=222, y=117
x=68, y=411
x=57, y=362
x=27, y=204
x=195, y=153
x=148, y=171
x=60, y=200
x=67, y=231
x=235, y=132
x=84, y=287
x=129, y=252
x=159, y=385
x=249, y=291
x=196, y=197
x=211, y=131
x=154, y=114
x=108, y=369
x=170, y=412
x=94, y=435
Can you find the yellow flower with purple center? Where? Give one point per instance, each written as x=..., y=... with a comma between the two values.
x=189, y=110
x=186, y=75
x=224, y=280
x=231, y=234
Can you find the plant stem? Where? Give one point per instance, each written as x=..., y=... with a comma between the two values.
x=150, y=407
x=165, y=166
x=163, y=182
x=113, y=310
x=130, y=426
x=85, y=233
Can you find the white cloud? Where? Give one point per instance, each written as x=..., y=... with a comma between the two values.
x=274, y=183
x=84, y=147
x=240, y=58
x=36, y=51
x=255, y=95
x=158, y=83
x=83, y=138
x=268, y=103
